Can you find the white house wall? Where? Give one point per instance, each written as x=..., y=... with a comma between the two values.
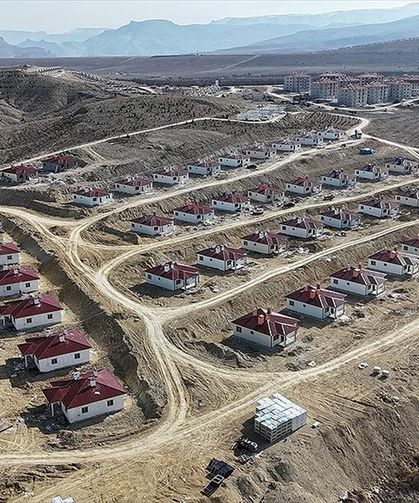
x=63, y=361
x=152, y=230
x=12, y=258
x=19, y=288
x=94, y=409
x=38, y=320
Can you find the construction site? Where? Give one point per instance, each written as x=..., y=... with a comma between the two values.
x=195, y=412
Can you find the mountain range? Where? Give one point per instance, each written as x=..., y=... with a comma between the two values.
x=254, y=35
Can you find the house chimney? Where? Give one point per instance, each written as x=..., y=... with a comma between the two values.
x=393, y=253
x=318, y=286
x=93, y=381
x=269, y=311
x=167, y=267
x=76, y=375
x=255, y=312
x=348, y=267
x=312, y=294
x=218, y=249
x=15, y=271
x=61, y=336
x=1, y=235
x=36, y=301
x=261, y=319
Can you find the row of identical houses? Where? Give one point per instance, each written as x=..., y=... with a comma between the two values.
x=81, y=397
x=174, y=175
x=269, y=329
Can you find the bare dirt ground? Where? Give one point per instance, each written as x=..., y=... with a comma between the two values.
x=192, y=391
x=392, y=125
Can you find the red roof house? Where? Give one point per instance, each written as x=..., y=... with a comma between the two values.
x=265, y=242
x=223, y=258
x=66, y=348
x=152, y=225
x=194, y=213
x=18, y=174
x=173, y=276
x=18, y=280
x=358, y=281
x=230, y=201
x=266, y=328
x=32, y=312
x=316, y=302
x=266, y=193
x=86, y=395
x=92, y=197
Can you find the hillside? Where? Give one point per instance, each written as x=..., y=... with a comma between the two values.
x=12, y=51
x=333, y=38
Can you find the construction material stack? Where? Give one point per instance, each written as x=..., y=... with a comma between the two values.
x=277, y=417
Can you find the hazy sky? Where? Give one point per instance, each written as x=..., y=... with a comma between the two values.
x=62, y=15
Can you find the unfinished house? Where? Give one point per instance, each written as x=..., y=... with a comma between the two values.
x=408, y=197
x=402, y=166
x=339, y=179
x=371, y=173
x=378, y=207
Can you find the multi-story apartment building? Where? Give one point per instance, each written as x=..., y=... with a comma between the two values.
x=298, y=82
x=369, y=78
x=400, y=90
x=353, y=96
x=325, y=89
x=378, y=93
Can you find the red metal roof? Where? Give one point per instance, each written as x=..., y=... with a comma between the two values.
x=380, y=203
x=412, y=242
x=392, y=257
x=17, y=275
x=135, y=182
x=89, y=388
x=341, y=214
x=60, y=343
x=339, y=174
x=267, y=322
x=153, y=220
x=195, y=209
x=303, y=223
x=173, y=271
x=21, y=170
x=173, y=172
x=318, y=297
x=30, y=307
x=8, y=248
x=304, y=181
x=92, y=192
x=411, y=192
x=206, y=163
x=232, y=197
x=370, y=168
x=62, y=160
x=359, y=275
x=266, y=238
x=222, y=252
x=267, y=189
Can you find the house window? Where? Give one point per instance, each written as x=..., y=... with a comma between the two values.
x=109, y=403
x=27, y=285
x=28, y=320
x=201, y=257
x=239, y=329
x=54, y=361
x=276, y=337
x=291, y=302
x=404, y=247
x=9, y=257
x=149, y=276
x=373, y=262
x=156, y=228
x=49, y=316
x=8, y=288
x=251, y=332
x=84, y=410
x=77, y=356
x=362, y=206
x=245, y=243
x=336, y=282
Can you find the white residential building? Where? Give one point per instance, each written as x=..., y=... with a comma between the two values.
x=18, y=281
x=204, y=168
x=409, y=197
x=302, y=227
x=332, y=134
x=303, y=186
x=85, y=396
x=32, y=312
x=260, y=152
x=286, y=146
x=277, y=418
x=339, y=179
x=172, y=176
x=194, y=213
x=223, y=258
x=265, y=242
x=234, y=161
x=266, y=328
x=92, y=197
x=266, y=193
x=371, y=173
x=134, y=186
x=358, y=281
x=297, y=82
x=340, y=218
x=402, y=166
x=153, y=225
x=66, y=348
x=9, y=252
x=378, y=207
x=231, y=202
x=411, y=246
x=173, y=276
x=316, y=302
x=18, y=174
x=394, y=263
x=312, y=139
